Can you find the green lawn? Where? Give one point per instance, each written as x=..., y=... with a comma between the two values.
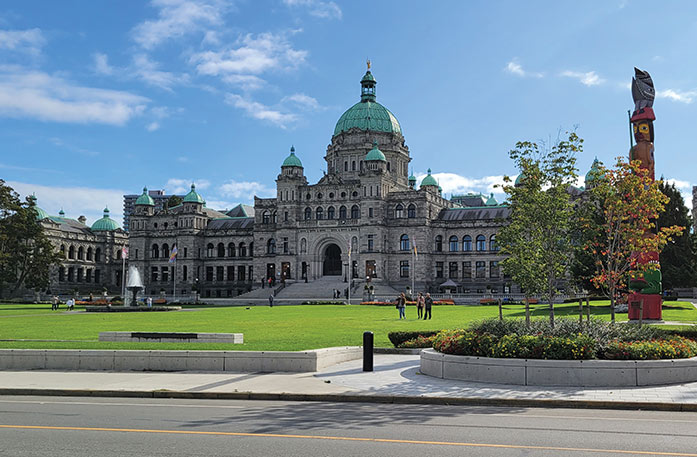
x=264, y=328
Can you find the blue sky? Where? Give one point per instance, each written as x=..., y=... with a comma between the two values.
x=100, y=98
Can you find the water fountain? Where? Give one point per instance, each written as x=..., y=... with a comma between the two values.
x=134, y=284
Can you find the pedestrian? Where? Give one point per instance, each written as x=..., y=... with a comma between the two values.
x=428, y=302
x=271, y=301
x=54, y=303
x=70, y=304
x=401, y=305
x=346, y=293
x=91, y=297
x=270, y=280
x=149, y=302
x=420, y=304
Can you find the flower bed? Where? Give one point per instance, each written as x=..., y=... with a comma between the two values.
x=412, y=303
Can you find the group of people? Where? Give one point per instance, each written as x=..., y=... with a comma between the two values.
x=337, y=293
x=55, y=302
x=424, y=304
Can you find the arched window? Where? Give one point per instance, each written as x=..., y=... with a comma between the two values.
x=342, y=212
x=452, y=244
x=209, y=250
x=399, y=211
x=308, y=213
x=271, y=246
x=62, y=250
x=303, y=246
x=466, y=243
x=265, y=217
x=80, y=253
x=221, y=250
x=71, y=252
x=492, y=243
x=355, y=212
x=404, y=242
x=89, y=253
x=330, y=212
x=165, y=250
x=319, y=213
x=155, y=253
x=118, y=254
x=98, y=255
x=274, y=218
x=439, y=243
x=411, y=211
x=481, y=243
x=231, y=250
x=243, y=250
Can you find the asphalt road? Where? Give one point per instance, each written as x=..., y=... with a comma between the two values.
x=60, y=426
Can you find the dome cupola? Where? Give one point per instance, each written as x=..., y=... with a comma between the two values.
x=429, y=180
x=594, y=174
x=375, y=153
x=193, y=196
x=105, y=223
x=292, y=160
x=40, y=213
x=145, y=199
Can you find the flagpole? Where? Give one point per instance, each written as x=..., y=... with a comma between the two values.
x=350, y=273
x=174, y=273
x=123, y=275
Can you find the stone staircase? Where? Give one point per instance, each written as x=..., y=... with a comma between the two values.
x=319, y=289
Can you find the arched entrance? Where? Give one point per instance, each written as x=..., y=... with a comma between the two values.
x=332, y=261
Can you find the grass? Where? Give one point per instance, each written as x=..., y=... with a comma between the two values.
x=264, y=328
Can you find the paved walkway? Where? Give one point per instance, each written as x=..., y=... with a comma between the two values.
x=396, y=379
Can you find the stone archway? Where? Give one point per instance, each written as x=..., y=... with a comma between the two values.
x=331, y=265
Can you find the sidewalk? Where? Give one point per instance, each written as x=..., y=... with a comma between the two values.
x=396, y=379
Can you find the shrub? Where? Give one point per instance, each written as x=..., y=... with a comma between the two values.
x=418, y=342
x=398, y=338
x=323, y=302
x=464, y=342
x=676, y=347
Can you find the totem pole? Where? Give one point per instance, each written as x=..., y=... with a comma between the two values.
x=645, y=300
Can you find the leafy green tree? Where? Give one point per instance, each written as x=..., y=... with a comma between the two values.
x=678, y=259
x=173, y=201
x=26, y=254
x=537, y=238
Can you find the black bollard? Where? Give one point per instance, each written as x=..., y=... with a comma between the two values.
x=367, y=351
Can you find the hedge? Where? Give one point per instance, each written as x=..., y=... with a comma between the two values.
x=418, y=342
x=398, y=338
x=673, y=348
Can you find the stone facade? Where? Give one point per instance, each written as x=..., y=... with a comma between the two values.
x=365, y=204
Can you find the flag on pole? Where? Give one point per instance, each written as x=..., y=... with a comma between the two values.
x=349, y=247
x=124, y=252
x=416, y=254
x=173, y=254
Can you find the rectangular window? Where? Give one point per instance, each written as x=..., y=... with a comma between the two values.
x=154, y=274
x=230, y=273
x=285, y=245
x=480, y=269
x=285, y=216
x=494, y=269
x=97, y=276
x=452, y=270
x=219, y=273
x=185, y=271
x=240, y=273
x=88, y=276
x=370, y=212
x=403, y=268
x=136, y=253
x=466, y=270
x=209, y=273
x=185, y=252
x=165, y=274
x=371, y=243
x=439, y=269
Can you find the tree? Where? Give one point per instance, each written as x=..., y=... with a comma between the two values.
x=678, y=259
x=173, y=201
x=629, y=202
x=537, y=238
x=26, y=254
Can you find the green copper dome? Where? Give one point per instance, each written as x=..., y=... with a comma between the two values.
x=193, y=197
x=292, y=160
x=594, y=173
x=368, y=114
x=429, y=180
x=40, y=213
x=145, y=199
x=492, y=201
x=375, y=153
x=105, y=223
x=519, y=180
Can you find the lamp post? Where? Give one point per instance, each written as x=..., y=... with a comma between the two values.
x=345, y=271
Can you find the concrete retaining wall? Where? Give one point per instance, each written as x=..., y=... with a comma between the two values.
x=133, y=337
x=233, y=361
x=578, y=373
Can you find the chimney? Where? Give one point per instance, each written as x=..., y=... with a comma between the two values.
x=82, y=219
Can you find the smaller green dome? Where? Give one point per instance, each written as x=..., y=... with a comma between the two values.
x=594, y=174
x=193, y=196
x=61, y=213
x=412, y=178
x=105, y=223
x=492, y=201
x=375, y=153
x=145, y=199
x=368, y=77
x=292, y=160
x=40, y=213
x=519, y=180
x=429, y=180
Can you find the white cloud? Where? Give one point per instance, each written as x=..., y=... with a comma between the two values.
x=589, y=78
x=318, y=8
x=34, y=94
x=303, y=101
x=220, y=205
x=183, y=186
x=75, y=201
x=29, y=41
x=101, y=64
x=148, y=71
x=262, y=112
x=71, y=147
x=679, y=184
x=245, y=82
x=245, y=190
x=151, y=127
x=453, y=183
x=677, y=96
x=253, y=54
x=178, y=18
x=515, y=68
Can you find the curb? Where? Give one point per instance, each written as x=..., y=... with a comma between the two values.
x=357, y=398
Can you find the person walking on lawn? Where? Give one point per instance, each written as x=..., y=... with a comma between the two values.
x=420, y=304
x=401, y=305
x=428, y=302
